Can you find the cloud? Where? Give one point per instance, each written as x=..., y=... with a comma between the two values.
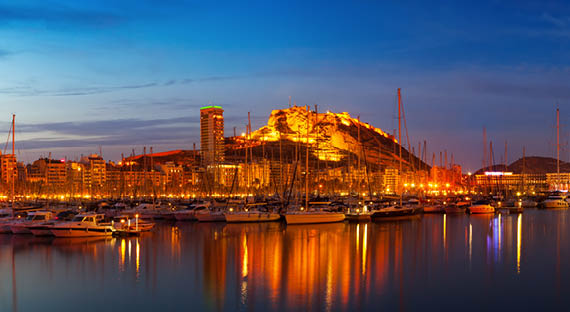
x=4, y=53
x=528, y=90
x=58, y=15
x=556, y=21
x=126, y=132
x=31, y=90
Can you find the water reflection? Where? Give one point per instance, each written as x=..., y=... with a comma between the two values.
x=342, y=266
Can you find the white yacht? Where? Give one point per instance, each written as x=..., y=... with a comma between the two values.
x=190, y=214
x=252, y=213
x=22, y=226
x=481, y=207
x=83, y=225
x=555, y=202
x=207, y=215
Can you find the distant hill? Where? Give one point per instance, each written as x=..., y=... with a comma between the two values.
x=533, y=164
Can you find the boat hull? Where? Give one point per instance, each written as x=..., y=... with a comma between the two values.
x=452, y=210
x=358, y=217
x=396, y=214
x=5, y=229
x=41, y=232
x=252, y=217
x=434, y=209
x=481, y=209
x=185, y=217
x=311, y=218
x=555, y=205
x=208, y=217
x=20, y=229
x=82, y=232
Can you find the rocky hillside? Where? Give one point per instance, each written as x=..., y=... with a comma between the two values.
x=331, y=138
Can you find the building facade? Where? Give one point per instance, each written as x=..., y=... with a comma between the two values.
x=212, y=134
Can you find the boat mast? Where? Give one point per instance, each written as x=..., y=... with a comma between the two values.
x=557, y=142
x=400, y=140
x=13, y=157
x=307, y=165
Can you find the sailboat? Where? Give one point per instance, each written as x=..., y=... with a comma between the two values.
x=402, y=211
x=317, y=212
x=5, y=224
x=358, y=211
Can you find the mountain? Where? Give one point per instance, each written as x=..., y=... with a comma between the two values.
x=532, y=165
x=333, y=138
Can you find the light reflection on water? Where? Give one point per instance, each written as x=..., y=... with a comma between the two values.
x=446, y=260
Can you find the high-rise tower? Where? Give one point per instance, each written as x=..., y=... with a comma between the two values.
x=212, y=134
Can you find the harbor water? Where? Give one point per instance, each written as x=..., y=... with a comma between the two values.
x=473, y=263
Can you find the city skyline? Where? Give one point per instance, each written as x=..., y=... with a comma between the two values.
x=78, y=76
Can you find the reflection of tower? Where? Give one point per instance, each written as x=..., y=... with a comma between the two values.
x=212, y=134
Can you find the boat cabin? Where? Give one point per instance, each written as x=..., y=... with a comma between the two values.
x=39, y=216
x=94, y=218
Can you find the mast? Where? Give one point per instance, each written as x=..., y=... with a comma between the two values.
x=523, y=169
x=358, y=162
x=484, y=149
x=506, y=158
x=400, y=139
x=307, y=165
x=557, y=142
x=14, y=158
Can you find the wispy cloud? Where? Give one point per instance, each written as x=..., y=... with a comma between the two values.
x=4, y=53
x=556, y=21
x=528, y=90
x=58, y=15
x=125, y=132
x=27, y=89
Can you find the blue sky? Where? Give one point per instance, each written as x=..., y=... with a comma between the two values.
x=124, y=74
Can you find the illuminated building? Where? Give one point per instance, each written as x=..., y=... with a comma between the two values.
x=492, y=181
x=391, y=180
x=8, y=168
x=56, y=173
x=96, y=175
x=212, y=134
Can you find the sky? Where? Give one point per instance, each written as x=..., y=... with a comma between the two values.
x=84, y=76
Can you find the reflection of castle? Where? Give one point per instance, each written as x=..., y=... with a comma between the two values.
x=301, y=267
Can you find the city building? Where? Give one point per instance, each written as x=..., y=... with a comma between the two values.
x=212, y=134
x=8, y=168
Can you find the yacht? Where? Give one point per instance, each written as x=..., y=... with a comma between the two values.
x=458, y=207
x=319, y=212
x=130, y=223
x=481, y=207
x=190, y=213
x=207, y=215
x=22, y=226
x=359, y=213
x=555, y=202
x=434, y=207
x=252, y=213
x=396, y=213
x=83, y=225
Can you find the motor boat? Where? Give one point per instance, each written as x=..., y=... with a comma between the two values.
x=397, y=213
x=126, y=222
x=554, y=202
x=22, y=226
x=83, y=225
x=481, y=207
x=458, y=207
x=434, y=207
x=207, y=215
